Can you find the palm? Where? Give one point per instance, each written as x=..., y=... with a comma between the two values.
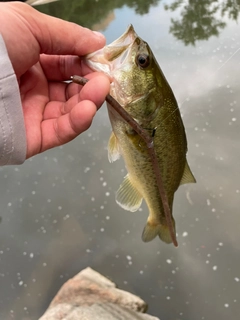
x=55, y=112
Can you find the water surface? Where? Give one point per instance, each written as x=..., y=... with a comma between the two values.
x=58, y=209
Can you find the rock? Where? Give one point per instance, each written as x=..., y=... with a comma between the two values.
x=89, y=296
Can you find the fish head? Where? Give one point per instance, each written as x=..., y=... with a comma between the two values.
x=136, y=78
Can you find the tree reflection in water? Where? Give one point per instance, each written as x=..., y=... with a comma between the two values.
x=199, y=19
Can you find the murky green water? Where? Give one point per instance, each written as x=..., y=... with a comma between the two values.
x=58, y=209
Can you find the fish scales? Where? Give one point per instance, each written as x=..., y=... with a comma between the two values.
x=140, y=87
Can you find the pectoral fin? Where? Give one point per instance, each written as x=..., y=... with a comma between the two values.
x=128, y=196
x=187, y=177
x=113, y=148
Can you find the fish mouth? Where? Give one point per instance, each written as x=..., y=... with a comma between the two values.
x=113, y=55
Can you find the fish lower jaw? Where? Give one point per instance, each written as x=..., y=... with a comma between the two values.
x=99, y=67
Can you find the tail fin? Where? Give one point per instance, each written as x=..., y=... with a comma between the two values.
x=150, y=231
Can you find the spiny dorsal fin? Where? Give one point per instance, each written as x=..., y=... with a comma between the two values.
x=187, y=177
x=128, y=196
x=113, y=148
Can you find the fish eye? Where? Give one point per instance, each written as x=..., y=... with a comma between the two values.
x=143, y=60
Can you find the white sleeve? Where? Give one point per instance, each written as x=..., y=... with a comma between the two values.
x=13, y=145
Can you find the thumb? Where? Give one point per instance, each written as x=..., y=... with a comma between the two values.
x=56, y=36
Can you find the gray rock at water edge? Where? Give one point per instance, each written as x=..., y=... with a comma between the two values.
x=90, y=296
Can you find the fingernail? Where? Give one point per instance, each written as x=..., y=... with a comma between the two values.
x=99, y=34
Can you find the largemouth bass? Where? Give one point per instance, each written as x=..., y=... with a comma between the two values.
x=138, y=84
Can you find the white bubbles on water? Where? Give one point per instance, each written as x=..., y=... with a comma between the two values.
x=129, y=258
x=169, y=261
x=43, y=229
x=86, y=169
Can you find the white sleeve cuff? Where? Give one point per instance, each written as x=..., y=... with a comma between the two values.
x=13, y=144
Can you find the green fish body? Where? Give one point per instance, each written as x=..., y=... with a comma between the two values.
x=140, y=87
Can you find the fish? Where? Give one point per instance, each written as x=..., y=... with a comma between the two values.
x=140, y=87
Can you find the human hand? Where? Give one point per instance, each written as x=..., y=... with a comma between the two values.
x=44, y=52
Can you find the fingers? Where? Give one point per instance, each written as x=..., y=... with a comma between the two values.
x=70, y=95
x=96, y=89
x=63, y=123
x=61, y=68
x=61, y=130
